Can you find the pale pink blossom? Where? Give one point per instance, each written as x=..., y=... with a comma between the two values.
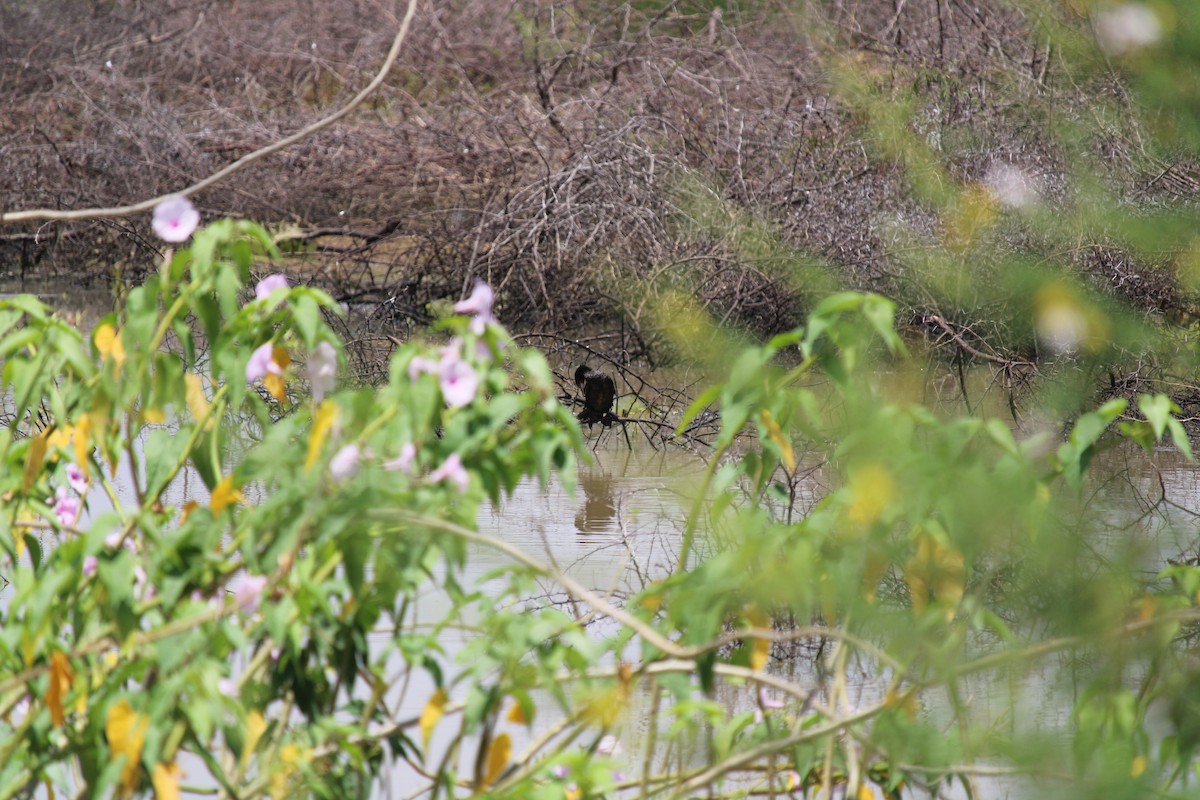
x=65, y=506
x=767, y=701
x=90, y=563
x=269, y=284
x=458, y=379
x=452, y=469
x=344, y=464
x=404, y=461
x=420, y=366
x=262, y=362
x=322, y=370
x=175, y=219
x=479, y=304
x=247, y=590
x=76, y=478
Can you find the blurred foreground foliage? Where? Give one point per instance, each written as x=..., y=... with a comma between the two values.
x=259, y=635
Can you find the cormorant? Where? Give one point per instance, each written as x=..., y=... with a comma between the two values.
x=599, y=392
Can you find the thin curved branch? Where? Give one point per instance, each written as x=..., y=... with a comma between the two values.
x=241, y=163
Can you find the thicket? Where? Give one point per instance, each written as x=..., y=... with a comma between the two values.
x=590, y=159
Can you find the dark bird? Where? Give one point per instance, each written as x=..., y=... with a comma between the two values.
x=599, y=392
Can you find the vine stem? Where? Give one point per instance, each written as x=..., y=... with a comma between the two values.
x=241, y=163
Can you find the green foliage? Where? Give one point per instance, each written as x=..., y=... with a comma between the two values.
x=121, y=628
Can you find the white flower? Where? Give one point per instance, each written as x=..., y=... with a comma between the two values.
x=609, y=746
x=344, y=464
x=175, y=218
x=322, y=370
x=1010, y=186
x=1126, y=27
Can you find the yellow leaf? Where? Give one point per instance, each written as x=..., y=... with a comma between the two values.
x=83, y=442
x=938, y=568
x=497, y=758
x=275, y=382
x=108, y=342
x=1146, y=608
x=775, y=434
x=125, y=730
x=35, y=458
x=760, y=649
x=60, y=437
x=322, y=424
x=224, y=495
x=760, y=653
x=516, y=715
x=165, y=778
x=197, y=401
x=871, y=491
x=276, y=386
x=604, y=707
x=1137, y=767
x=153, y=416
x=572, y=792
x=255, y=727
x=865, y=793
x=289, y=754
x=906, y=702
x=431, y=714
x=61, y=676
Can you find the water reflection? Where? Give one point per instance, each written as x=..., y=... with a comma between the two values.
x=598, y=513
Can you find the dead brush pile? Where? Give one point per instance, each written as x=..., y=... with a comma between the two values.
x=590, y=160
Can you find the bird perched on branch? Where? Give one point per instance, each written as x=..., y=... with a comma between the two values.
x=599, y=392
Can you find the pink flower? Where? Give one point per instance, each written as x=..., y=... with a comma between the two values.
x=76, y=478
x=458, y=379
x=175, y=219
x=262, y=361
x=322, y=370
x=247, y=590
x=420, y=366
x=479, y=304
x=344, y=464
x=90, y=563
x=66, y=507
x=767, y=701
x=404, y=461
x=452, y=469
x=269, y=284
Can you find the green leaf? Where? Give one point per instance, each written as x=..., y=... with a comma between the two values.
x=307, y=315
